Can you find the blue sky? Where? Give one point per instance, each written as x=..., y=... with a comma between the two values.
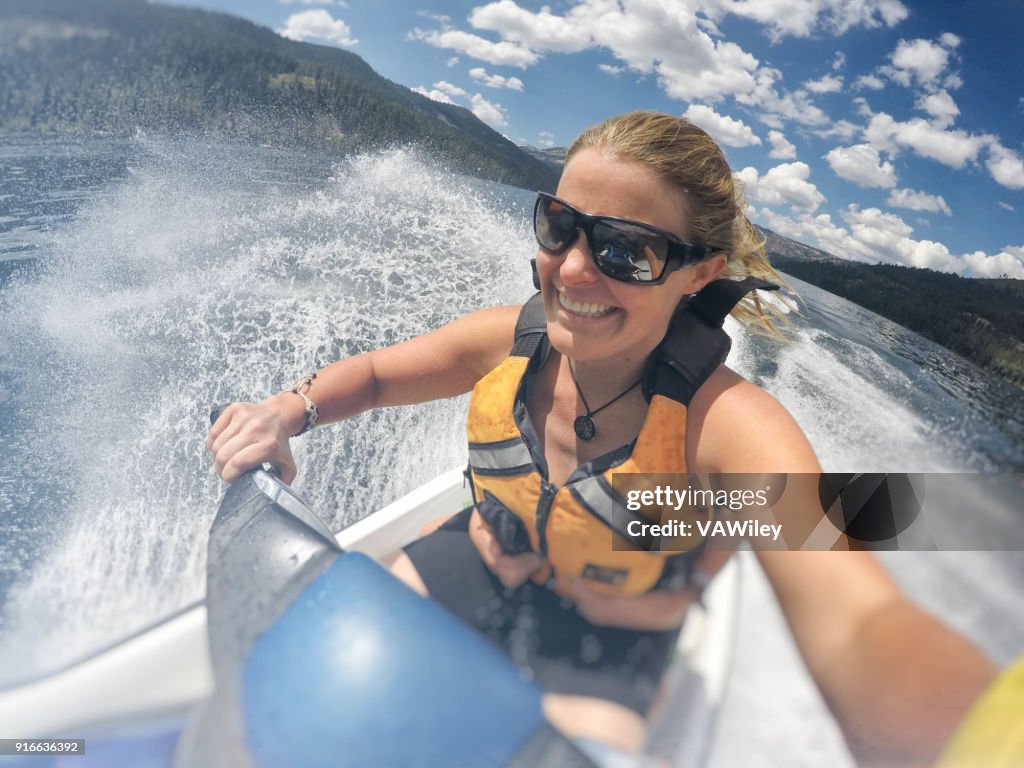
x=879, y=130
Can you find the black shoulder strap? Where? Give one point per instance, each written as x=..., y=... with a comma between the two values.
x=531, y=327
x=716, y=300
x=695, y=344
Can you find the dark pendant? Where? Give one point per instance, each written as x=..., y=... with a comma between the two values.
x=584, y=427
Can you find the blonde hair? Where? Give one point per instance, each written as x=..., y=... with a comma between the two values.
x=685, y=156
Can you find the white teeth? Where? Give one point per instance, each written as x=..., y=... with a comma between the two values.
x=589, y=310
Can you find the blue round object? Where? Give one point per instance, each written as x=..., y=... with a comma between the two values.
x=360, y=670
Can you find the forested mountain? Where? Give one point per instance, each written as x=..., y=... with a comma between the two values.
x=782, y=247
x=553, y=156
x=118, y=65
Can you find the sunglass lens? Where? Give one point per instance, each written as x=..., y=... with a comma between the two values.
x=554, y=224
x=628, y=253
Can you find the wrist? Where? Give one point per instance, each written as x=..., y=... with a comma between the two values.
x=291, y=410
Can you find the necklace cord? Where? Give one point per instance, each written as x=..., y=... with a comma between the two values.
x=592, y=413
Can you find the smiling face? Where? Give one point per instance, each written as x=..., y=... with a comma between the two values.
x=591, y=317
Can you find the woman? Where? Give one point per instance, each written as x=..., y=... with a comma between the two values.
x=671, y=184
x=645, y=216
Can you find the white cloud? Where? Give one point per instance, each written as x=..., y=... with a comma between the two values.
x=1009, y=262
x=443, y=19
x=775, y=107
x=842, y=129
x=839, y=61
x=443, y=91
x=491, y=113
x=940, y=106
x=503, y=53
x=821, y=231
x=608, y=69
x=949, y=40
x=863, y=165
x=724, y=129
x=538, y=31
x=918, y=201
x=1005, y=165
x=825, y=84
x=784, y=184
x=782, y=149
x=452, y=61
x=317, y=25
x=875, y=236
x=685, y=51
x=951, y=148
x=545, y=139
x=871, y=82
x=435, y=94
x=339, y=3
x=888, y=236
x=480, y=75
x=801, y=18
x=449, y=88
x=664, y=39
x=920, y=61
x=1007, y=207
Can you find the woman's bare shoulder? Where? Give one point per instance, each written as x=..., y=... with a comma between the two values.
x=493, y=331
x=741, y=428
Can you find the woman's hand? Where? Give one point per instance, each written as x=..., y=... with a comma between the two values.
x=657, y=610
x=511, y=570
x=248, y=434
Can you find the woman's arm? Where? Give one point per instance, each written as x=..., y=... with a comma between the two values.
x=896, y=679
x=443, y=363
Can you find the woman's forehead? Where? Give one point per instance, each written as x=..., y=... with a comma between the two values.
x=599, y=182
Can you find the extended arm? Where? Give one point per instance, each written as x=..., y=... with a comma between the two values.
x=443, y=363
x=897, y=680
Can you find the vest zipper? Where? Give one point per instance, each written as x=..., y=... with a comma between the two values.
x=547, y=497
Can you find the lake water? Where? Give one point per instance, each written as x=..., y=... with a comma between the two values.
x=143, y=281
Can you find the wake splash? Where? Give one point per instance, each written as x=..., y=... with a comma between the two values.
x=212, y=274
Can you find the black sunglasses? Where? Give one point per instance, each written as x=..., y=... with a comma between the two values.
x=622, y=249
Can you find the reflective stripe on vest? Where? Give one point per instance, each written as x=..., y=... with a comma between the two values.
x=501, y=458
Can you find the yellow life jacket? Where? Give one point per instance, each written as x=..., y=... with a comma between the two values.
x=582, y=528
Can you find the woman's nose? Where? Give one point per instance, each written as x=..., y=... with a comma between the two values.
x=578, y=266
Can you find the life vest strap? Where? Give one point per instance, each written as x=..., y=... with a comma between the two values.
x=531, y=327
x=695, y=344
x=717, y=299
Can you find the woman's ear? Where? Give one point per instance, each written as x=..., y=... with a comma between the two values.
x=705, y=271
